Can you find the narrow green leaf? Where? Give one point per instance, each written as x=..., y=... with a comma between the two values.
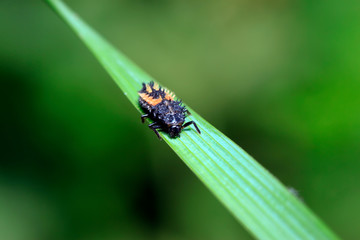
x=255, y=197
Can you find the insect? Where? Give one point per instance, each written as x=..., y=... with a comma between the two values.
x=160, y=106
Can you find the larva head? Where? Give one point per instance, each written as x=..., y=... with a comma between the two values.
x=174, y=131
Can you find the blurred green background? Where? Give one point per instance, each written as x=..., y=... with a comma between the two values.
x=281, y=78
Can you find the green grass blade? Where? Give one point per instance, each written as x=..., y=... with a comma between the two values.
x=255, y=197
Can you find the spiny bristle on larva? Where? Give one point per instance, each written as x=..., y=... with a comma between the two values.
x=148, y=88
x=168, y=95
x=153, y=94
x=156, y=86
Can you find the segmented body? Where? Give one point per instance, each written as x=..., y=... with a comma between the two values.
x=160, y=105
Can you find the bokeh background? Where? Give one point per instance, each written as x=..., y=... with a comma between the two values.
x=279, y=77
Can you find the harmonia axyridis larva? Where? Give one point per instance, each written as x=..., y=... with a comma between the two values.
x=160, y=106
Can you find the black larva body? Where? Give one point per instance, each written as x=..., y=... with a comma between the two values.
x=160, y=106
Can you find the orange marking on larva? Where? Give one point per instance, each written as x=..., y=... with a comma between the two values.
x=154, y=101
x=143, y=95
x=150, y=100
x=148, y=89
x=156, y=86
x=169, y=96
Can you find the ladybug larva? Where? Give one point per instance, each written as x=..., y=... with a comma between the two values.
x=160, y=106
